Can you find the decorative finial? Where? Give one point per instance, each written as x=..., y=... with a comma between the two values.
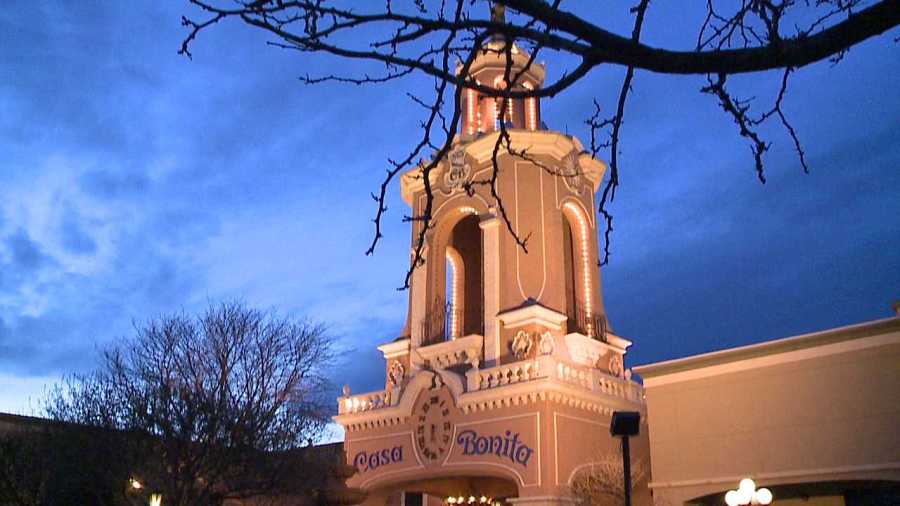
x=498, y=13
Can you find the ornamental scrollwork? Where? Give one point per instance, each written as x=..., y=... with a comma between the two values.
x=521, y=345
x=616, y=367
x=571, y=173
x=396, y=374
x=546, y=345
x=459, y=173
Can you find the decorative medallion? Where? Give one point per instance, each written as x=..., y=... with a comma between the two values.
x=571, y=172
x=546, y=344
x=615, y=366
x=433, y=429
x=459, y=173
x=396, y=373
x=521, y=345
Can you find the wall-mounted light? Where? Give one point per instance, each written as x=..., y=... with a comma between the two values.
x=747, y=493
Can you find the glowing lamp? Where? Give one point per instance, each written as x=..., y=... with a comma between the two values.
x=136, y=484
x=747, y=493
x=731, y=498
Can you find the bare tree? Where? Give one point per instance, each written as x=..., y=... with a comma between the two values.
x=602, y=483
x=441, y=39
x=211, y=407
x=43, y=462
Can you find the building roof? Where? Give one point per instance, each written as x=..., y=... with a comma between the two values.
x=801, y=342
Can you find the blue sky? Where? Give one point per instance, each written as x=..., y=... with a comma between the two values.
x=135, y=182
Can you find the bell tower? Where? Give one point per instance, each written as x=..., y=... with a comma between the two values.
x=476, y=279
x=505, y=376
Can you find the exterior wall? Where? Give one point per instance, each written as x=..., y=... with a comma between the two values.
x=543, y=441
x=817, y=408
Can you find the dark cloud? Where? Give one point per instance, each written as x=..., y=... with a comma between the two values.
x=74, y=237
x=26, y=255
x=107, y=184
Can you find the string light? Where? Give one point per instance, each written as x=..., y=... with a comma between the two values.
x=470, y=110
x=494, y=112
x=531, y=105
x=585, y=263
x=454, y=290
x=461, y=500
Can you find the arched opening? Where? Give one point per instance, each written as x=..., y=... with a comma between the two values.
x=466, y=297
x=578, y=278
x=457, y=309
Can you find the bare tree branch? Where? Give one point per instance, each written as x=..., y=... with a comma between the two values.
x=414, y=37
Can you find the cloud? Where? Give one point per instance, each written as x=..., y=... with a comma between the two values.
x=25, y=254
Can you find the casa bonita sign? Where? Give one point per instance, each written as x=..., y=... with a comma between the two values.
x=507, y=446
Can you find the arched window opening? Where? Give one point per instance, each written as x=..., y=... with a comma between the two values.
x=457, y=307
x=466, y=300
x=579, y=295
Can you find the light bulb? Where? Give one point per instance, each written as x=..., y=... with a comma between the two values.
x=748, y=485
x=731, y=498
x=763, y=496
x=744, y=496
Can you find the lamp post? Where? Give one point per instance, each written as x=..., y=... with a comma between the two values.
x=747, y=493
x=625, y=424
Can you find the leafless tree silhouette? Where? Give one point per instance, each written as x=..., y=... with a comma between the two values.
x=441, y=39
x=210, y=407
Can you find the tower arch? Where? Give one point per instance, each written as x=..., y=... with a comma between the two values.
x=581, y=292
x=454, y=276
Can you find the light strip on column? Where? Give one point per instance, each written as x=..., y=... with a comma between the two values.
x=471, y=98
x=532, y=113
x=454, y=291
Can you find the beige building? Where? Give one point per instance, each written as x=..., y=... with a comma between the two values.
x=503, y=381
x=815, y=418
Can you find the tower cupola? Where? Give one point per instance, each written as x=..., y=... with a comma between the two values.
x=481, y=112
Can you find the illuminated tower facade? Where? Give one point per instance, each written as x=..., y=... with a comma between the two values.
x=506, y=374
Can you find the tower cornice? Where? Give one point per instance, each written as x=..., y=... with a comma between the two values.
x=539, y=142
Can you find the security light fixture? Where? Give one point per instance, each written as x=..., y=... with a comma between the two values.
x=625, y=423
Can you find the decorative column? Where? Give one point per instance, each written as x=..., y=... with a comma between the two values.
x=417, y=309
x=490, y=234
